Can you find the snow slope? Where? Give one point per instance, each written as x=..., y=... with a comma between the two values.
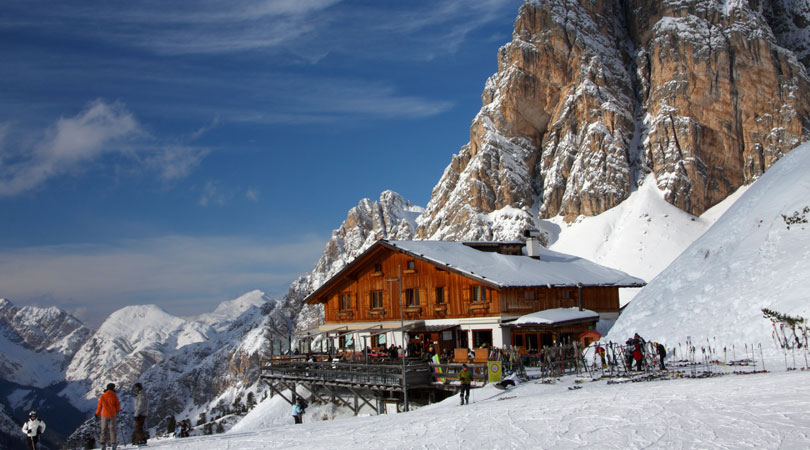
x=228, y=311
x=750, y=259
x=765, y=411
x=641, y=236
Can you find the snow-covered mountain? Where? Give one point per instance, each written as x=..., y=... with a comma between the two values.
x=228, y=311
x=757, y=255
x=130, y=341
x=591, y=97
x=37, y=343
x=52, y=363
x=187, y=366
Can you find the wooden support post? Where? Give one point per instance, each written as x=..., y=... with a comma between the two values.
x=279, y=392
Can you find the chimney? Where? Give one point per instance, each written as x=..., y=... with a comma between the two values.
x=532, y=236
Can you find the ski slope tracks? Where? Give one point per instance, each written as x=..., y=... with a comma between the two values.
x=751, y=258
x=762, y=411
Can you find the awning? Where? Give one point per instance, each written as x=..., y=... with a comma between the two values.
x=433, y=328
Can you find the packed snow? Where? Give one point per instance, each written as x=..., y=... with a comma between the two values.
x=761, y=411
x=641, y=236
x=752, y=258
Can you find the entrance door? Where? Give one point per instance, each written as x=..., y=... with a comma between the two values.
x=463, y=341
x=531, y=342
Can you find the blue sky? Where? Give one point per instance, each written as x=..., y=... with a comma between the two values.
x=183, y=153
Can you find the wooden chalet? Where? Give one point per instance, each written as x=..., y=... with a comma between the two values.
x=458, y=295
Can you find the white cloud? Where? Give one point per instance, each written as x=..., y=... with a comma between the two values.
x=167, y=270
x=252, y=194
x=213, y=193
x=175, y=162
x=71, y=142
x=216, y=193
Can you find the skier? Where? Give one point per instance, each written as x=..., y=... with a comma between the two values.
x=108, y=408
x=628, y=354
x=465, y=378
x=298, y=410
x=662, y=353
x=141, y=404
x=638, y=351
x=33, y=429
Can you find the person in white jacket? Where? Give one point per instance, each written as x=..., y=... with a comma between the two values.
x=33, y=429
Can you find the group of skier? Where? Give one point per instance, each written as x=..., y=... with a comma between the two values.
x=106, y=416
x=635, y=349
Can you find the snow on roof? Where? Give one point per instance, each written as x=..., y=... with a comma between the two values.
x=556, y=315
x=552, y=269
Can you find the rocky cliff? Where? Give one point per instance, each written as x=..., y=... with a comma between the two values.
x=592, y=95
x=391, y=217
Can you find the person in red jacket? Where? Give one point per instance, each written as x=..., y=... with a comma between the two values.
x=108, y=408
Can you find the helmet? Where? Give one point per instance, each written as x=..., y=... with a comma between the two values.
x=111, y=386
x=32, y=414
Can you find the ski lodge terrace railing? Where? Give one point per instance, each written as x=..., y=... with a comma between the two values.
x=372, y=373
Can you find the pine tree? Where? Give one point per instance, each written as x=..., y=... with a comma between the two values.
x=237, y=405
x=171, y=424
x=251, y=401
x=202, y=419
x=220, y=428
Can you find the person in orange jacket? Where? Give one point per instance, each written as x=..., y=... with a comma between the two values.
x=108, y=408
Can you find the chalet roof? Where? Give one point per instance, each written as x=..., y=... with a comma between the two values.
x=478, y=261
x=505, y=271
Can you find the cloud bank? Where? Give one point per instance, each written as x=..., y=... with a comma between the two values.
x=185, y=275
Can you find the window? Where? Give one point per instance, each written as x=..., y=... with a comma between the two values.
x=566, y=295
x=440, y=295
x=479, y=294
x=378, y=269
x=529, y=295
x=345, y=301
x=410, y=266
x=378, y=340
x=482, y=338
x=376, y=299
x=411, y=297
x=346, y=341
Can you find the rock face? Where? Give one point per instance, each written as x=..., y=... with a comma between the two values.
x=591, y=95
x=391, y=217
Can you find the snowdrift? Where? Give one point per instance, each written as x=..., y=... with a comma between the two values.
x=755, y=256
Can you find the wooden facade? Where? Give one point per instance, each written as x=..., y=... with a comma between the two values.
x=367, y=291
